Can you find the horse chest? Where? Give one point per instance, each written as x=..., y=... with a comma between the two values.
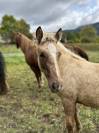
x=30, y=60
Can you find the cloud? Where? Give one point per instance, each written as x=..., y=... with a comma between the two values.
x=52, y=14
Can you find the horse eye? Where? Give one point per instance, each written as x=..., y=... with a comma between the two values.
x=42, y=55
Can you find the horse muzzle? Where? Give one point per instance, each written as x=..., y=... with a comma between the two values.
x=56, y=87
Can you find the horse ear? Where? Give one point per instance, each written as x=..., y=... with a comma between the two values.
x=39, y=34
x=58, y=34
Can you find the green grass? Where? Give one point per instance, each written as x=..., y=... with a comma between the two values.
x=27, y=109
x=8, y=48
x=89, y=46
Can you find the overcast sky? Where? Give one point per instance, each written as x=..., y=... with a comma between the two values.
x=52, y=14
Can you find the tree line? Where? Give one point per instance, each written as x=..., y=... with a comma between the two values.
x=87, y=34
x=10, y=24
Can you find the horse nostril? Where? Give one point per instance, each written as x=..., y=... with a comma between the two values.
x=55, y=86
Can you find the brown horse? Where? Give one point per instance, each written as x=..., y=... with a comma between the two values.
x=28, y=48
x=73, y=78
x=3, y=83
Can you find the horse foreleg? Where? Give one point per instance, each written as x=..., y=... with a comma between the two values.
x=78, y=124
x=37, y=73
x=69, y=108
x=38, y=77
x=41, y=80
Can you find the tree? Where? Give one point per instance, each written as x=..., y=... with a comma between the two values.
x=71, y=37
x=97, y=39
x=9, y=25
x=88, y=34
x=23, y=27
x=64, y=37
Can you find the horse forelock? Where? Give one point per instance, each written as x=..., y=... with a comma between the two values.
x=53, y=51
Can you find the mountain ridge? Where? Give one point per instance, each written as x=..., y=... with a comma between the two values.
x=95, y=25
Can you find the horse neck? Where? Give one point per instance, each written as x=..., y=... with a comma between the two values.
x=66, y=58
x=62, y=63
x=24, y=45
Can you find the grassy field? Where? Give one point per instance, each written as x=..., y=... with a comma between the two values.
x=27, y=109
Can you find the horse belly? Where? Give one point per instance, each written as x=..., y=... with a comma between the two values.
x=89, y=98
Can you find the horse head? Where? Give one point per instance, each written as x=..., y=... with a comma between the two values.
x=48, y=56
x=17, y=37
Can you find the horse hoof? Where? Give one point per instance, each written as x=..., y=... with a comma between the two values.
x=3, y=92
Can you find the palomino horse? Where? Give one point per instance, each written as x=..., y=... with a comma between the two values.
x=3, y=83
x=73, y=78
x=28, y=48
